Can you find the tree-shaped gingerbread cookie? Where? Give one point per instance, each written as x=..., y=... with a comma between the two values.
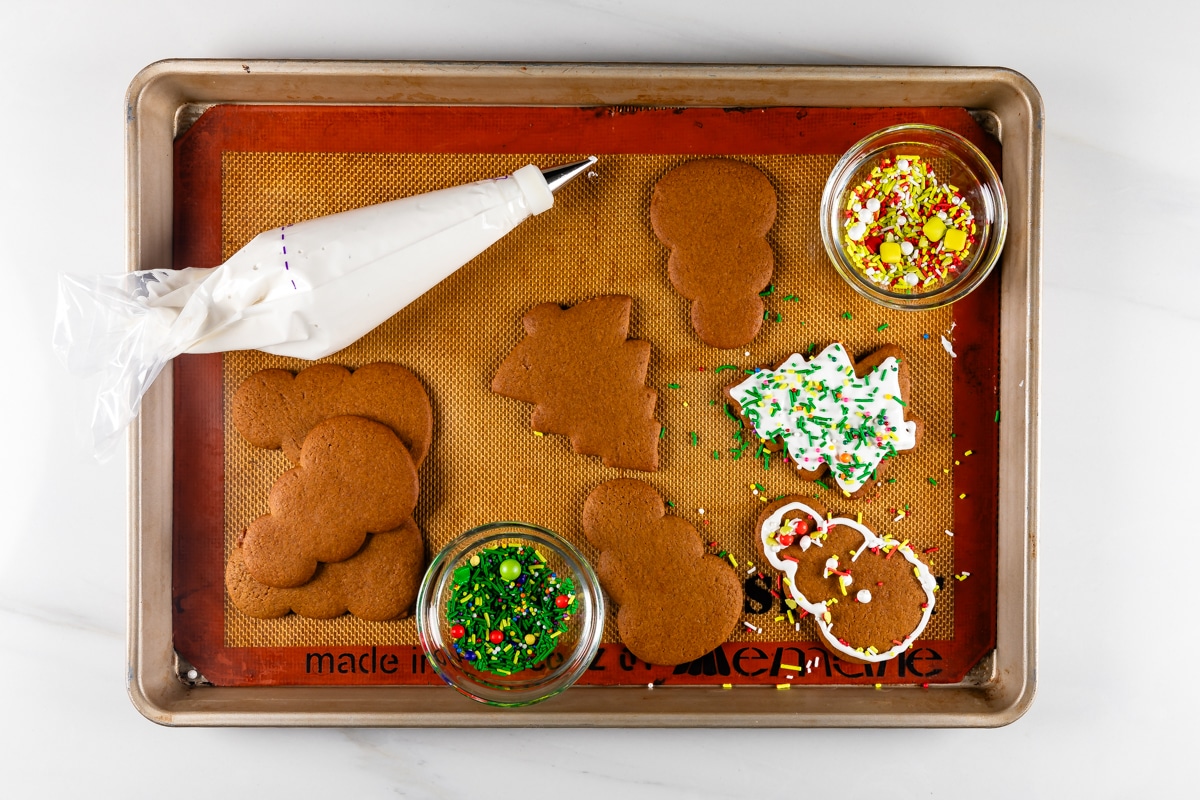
x=587, y=379
x=832, y=413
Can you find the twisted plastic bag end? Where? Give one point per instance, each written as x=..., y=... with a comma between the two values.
x=102, y=328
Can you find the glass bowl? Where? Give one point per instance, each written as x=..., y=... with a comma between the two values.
x=963, y=188
x=473, y=567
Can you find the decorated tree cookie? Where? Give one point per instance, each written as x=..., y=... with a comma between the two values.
x=675, y=601
x=714, y=215
x=587, y=380
x=871, y=596
x=831, y=414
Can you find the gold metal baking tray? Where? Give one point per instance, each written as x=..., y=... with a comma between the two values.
x=167, y=97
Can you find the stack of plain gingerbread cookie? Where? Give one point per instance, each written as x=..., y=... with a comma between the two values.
x=338, y=535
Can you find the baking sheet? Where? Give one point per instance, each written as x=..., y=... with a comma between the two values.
x=691, y=716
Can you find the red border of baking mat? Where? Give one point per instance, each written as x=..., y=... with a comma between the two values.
x=198, y=524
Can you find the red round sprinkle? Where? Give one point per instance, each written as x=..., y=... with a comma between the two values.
x=496, y=637
x=562, y=601
x=457, y=631
x=785, y=539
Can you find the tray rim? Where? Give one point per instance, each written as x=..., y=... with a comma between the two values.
x=154, y=102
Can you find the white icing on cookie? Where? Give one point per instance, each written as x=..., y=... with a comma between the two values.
x=825, y=414
x=820, y=610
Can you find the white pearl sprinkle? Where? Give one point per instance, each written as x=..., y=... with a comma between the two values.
x=912, y=279
x=873, y=204
x=906, y=248
x=864, y=596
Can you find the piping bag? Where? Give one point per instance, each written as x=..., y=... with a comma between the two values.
x=305, y=290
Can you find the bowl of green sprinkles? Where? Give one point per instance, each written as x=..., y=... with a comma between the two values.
x=914, y=217
x=510, y=614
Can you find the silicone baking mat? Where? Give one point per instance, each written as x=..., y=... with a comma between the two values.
x=241, y=170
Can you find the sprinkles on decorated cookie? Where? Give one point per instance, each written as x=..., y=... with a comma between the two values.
x=507, y=609
x=825, y=415
x=866, y=608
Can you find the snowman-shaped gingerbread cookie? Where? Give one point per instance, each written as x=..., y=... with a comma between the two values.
x=871, y=596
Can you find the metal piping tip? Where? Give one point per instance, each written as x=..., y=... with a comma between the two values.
x=558, y=177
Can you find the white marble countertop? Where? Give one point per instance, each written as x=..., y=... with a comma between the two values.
x=1118, y=641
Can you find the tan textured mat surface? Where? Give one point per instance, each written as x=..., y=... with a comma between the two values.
x=486, y=464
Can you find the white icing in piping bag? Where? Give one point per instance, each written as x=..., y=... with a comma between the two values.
x=305, y=290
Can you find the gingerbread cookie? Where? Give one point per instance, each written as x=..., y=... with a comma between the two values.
x=587, y=379
x=714, y=214
x=355, y=477
x=871, y=596
x=378, y=583
x=831, y=414
x=675, y=601
x=273, y=409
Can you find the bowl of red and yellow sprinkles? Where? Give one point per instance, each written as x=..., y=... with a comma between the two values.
x=914, y=217
x=510, y=614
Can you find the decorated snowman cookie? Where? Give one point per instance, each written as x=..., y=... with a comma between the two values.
x=871, y=596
